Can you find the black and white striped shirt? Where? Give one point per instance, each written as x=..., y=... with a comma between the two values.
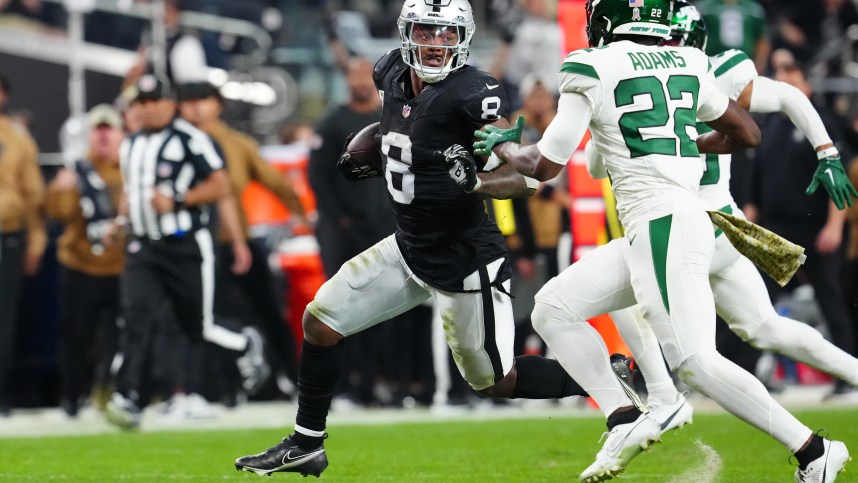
x=172, y=160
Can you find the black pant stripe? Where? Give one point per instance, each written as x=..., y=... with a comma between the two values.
x=490, y=343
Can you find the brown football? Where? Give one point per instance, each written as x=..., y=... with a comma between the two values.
x=365, y=147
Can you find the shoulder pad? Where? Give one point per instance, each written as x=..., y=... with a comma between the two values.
x=725, y=61
x=578, y=74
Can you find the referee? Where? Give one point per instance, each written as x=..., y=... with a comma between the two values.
x=171, y=173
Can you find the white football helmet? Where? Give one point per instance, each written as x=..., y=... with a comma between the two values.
x=431, y=23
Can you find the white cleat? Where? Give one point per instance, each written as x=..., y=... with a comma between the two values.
x=673, y=416
x=623, y=443
x=825, y=468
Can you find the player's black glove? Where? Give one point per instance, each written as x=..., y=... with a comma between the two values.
x=355, y=171
x=461, y=167
x=352, y=170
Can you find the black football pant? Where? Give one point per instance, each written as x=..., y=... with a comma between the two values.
x=166, y=275
x=260, y=295
x=12, y=248
x=88, y=331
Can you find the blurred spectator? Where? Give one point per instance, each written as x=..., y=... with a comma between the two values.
x=352, y=217
x=737, y=24
x=185, y=55
x=22, y=230
x=49, y=14
x=532, y=43
x=243, y=263
x=85, y=198
x=540, y=220
x=807, y=27
x=298, y=131
x=23, y=119
x=783, y=163
x=851, y=285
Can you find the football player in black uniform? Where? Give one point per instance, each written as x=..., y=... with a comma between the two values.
x=445, y=247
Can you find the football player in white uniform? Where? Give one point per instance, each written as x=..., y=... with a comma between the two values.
x=641, y=102
x=741, y=298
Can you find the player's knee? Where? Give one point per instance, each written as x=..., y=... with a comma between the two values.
x=701, y=367
x=502, y=389
x=778, y=333
x=317, y=332
x=747, y=325
x=545, y=317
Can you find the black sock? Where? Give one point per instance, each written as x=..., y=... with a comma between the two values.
x=319, y=369
x=621, y=416
x=541, y=378
x=814, y=450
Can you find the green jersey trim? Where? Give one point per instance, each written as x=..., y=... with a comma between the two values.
x=733, y=62
x=579, y=68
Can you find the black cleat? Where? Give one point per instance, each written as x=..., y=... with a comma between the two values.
x=285, y=457
x=630, y=376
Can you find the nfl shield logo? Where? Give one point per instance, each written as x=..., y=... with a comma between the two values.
x=636, y=14
x=406, y=110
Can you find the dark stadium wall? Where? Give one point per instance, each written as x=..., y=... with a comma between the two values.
x=42, y=88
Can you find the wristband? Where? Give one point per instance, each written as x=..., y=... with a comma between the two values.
x=827, y=152
x=476, y=186
x=493, y=163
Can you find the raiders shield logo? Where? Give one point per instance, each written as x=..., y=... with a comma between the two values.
x=406, y=110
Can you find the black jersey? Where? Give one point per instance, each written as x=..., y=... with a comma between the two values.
x=443, y=232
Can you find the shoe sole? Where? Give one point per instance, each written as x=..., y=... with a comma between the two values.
x=285, y=469
x=613, y=473
x=121, y=419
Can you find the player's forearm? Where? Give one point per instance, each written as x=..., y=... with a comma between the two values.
x=504, y=183
x=734, y=130
x=717, y=143
x=773, y=96
x=524, y=159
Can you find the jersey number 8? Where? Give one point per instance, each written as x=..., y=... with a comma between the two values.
x=400, y=180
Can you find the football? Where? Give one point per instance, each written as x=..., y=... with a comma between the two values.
x=365, y=147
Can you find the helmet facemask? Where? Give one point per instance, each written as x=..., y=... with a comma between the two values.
x=435, y=39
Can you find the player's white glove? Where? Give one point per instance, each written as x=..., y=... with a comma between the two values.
x=461, y=167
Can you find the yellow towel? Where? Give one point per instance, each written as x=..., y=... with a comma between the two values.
x=775, y=255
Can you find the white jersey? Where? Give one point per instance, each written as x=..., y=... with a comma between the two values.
x=733, y=71
x=644, y=102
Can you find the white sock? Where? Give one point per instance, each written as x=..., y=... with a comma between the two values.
x=582, y=352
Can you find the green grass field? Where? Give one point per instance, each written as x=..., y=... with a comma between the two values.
x=716, y=448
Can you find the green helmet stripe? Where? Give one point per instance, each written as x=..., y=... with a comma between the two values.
x=733, y=62
x=579, y=68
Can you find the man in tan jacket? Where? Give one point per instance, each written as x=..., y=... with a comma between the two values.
x=243, y=264
x=85, y=198
x=22, y=229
